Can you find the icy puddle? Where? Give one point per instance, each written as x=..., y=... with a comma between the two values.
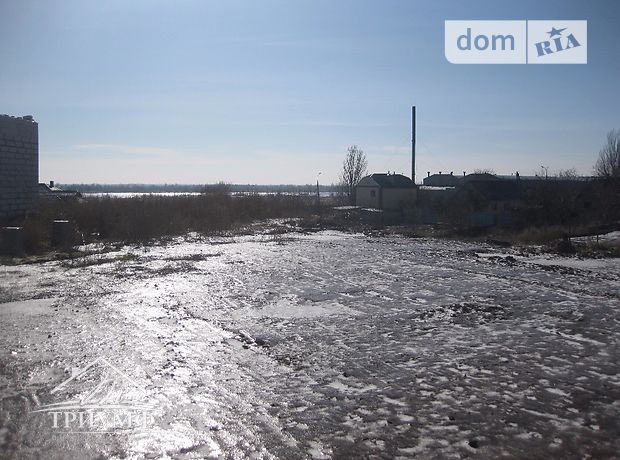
x=311, y=346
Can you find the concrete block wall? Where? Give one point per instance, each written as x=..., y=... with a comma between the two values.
x=19, y=165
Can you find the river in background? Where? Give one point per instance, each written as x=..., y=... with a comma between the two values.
x=138, y=194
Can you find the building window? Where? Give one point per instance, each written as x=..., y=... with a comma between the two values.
x=373, y=193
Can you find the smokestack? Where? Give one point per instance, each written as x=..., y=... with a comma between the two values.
x=413, y=144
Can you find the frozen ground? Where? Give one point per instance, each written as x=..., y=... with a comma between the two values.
x=319, y=346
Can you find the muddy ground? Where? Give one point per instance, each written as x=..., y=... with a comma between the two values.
x=325, y=345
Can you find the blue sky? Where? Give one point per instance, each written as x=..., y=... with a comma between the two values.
x=274, y=91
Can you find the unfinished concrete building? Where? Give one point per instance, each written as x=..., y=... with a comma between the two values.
x=19, y=165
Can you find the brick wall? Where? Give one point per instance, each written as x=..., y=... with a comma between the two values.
x=19, y=165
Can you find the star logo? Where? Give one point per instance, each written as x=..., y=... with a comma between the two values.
x=553, y=32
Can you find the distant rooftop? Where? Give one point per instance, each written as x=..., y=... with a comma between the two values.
x=450, y=180
x=535, y=177
x=24, y=118
x=384, y=180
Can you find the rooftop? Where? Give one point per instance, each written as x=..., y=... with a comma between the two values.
x=386, y=181
x=24, y=118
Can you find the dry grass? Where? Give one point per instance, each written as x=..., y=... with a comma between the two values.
x=543, y=234
x=144, y=218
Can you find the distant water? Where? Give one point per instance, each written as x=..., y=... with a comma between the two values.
x=136, y=194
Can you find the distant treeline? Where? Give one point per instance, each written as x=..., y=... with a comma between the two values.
x=161, y=188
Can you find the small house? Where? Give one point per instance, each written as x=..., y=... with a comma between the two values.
x=389, y=192
x=52, y=192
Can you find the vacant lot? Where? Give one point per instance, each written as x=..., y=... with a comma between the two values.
x=324, y=345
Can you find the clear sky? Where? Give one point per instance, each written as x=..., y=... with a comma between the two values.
x=274, y=91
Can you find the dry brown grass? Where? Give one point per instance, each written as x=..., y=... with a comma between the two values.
x=144, y=218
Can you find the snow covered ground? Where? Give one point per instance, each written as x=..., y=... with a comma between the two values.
x=327, y=345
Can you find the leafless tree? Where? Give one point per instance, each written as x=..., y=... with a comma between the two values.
x=607, y=189
x=608, y=163
x=353, y=169
x=568, y=174
x=568, y=199
x=219, y=189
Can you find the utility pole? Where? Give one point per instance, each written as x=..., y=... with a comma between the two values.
x=413, y=133
x=318, y=195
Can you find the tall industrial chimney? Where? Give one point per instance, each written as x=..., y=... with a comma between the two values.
x=413, y=144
